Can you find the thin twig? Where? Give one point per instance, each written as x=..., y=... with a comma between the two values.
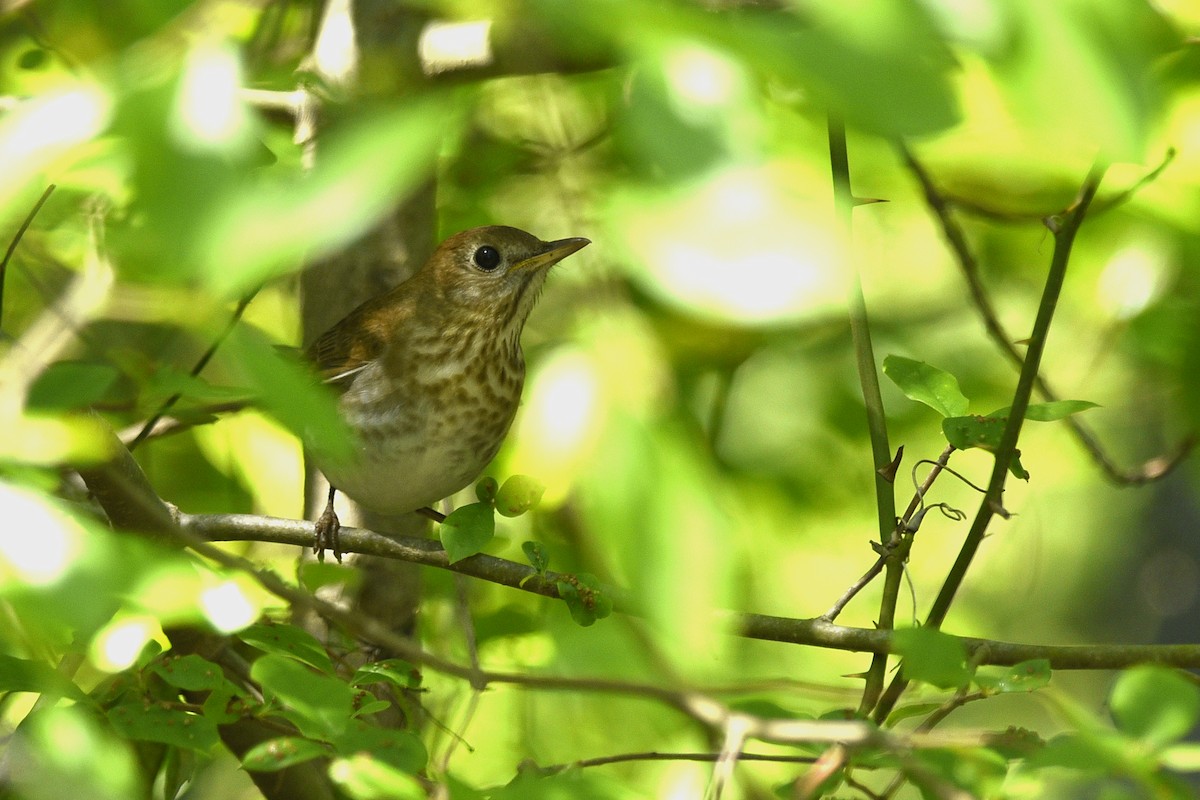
x=980, y=208
x=939, y=204
x=654, y=755
x=813, y=632
x=868, y=377
x=197, y=368
x=1064, y=230
x=16, y=240
x=914, y=504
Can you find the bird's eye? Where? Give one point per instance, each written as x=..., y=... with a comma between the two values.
x=487, y=258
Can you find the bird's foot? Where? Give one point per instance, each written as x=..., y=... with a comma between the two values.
x=328, y=530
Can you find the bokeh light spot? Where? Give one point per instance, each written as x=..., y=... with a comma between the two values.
x=227, y=607
x=38, y=542
x=118, y=646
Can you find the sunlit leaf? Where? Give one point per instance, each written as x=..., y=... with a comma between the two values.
x=40, y=131
x=1049, y=412
x=919, y=381
x=289, y=393
x=1109, y=98
x=272, y=228
x=519, y=494
x=362, y=777
x=46, y=439
x=1182, y=757
x=67, y=751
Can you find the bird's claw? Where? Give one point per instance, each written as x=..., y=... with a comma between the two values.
x=328, y=530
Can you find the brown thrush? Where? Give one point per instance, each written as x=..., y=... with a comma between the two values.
x=430, y=373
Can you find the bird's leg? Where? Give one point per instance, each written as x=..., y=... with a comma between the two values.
x=328, y=528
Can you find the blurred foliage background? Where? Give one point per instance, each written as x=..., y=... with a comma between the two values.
x=692, y=403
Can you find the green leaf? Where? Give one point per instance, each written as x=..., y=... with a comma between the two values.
x=366, y=707
x=400, y=749
x=21, y=675
x=290, y=641
x=165, y=725
x=467, y=530
x=1109, y=98
x=519, y=494
x=1023, y=677
x=932, y=657
x=891, y=85
x=1049, y=412
x=392, y=670
x=485, y=490
x=72, y=384
x=539, y=557
x=66, y=751
x=911, y=710
x=585, y=599
x=926, y=384
x=272, y=228
x=984, y=433
x=974, y=431
x=315, y=574
x=190, y=672
x=978, y=770
x=289, y=392
x=224, y=704
x=1155, y=704
x=319, y=705
x=286, y=751
x=1094, y=753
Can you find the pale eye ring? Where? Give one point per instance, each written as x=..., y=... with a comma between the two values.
x=487, y=258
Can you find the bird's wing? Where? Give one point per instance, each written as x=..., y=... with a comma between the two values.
x=345, y=350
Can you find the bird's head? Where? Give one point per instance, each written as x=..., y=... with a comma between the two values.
x=496, y=270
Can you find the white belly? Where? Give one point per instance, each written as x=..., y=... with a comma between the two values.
x=415, y=456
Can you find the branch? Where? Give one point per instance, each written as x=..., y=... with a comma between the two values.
x=1101, y=205
x=815, y=632
x=868, y=377
x=151, y=424
x=1064, y=229
x=940, y=205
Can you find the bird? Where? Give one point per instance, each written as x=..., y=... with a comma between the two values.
x=428, y=375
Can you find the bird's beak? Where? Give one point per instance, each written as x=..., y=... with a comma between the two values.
x=552, y=253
